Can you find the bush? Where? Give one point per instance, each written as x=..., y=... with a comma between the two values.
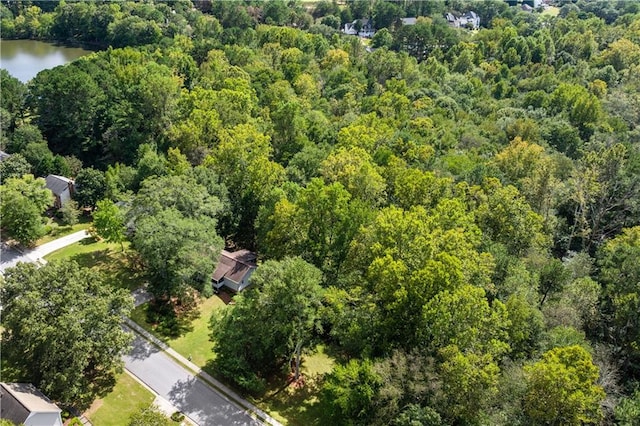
x=177, y=417
x=69, y=213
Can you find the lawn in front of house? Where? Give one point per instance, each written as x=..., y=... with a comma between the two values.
x=120, y=268
x=56, y=229
x=193, y=340
x=127, y=397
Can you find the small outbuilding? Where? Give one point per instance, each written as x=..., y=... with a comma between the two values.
x=22, y=403
x=62, y=189
x=234, y=270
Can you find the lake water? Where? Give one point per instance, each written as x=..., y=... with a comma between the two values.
x=26, y=58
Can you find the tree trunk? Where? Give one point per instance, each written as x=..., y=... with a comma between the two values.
x=297, y=356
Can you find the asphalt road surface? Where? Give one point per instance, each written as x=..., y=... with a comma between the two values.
x=186, y=392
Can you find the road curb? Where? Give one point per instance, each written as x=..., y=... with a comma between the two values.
x=229, y=394
x=157, y=395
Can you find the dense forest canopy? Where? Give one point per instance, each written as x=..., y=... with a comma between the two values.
x=466, y=204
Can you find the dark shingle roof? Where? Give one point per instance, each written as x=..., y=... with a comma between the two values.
x=234, y=266
x=58, y=184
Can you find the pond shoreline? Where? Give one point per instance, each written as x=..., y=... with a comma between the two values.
x=25, y=58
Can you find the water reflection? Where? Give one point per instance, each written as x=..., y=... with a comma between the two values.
x=26, y=58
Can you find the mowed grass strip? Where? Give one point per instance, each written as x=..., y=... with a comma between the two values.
x=127, y=397
x=119, y=268
x=194, y=341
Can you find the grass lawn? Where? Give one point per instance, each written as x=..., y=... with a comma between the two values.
x=302, y=406
x=127, y=397
x=194, y=341
x=551, y=10
x=118, y=267
x=60, y=230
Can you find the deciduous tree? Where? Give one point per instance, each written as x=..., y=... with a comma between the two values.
x=108, y=222
x=561, y=388
x=91, y=187
x=271, y=325
x=23, y=202
x=62, y=329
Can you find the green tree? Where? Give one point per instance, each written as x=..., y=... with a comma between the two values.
x=40, y=158
x=561, y=388
x=62, y=329
x=133, y=31
x=464, y=318
x=150, y=416
x=12, y=97
x=69, y=212
x=243, y=162
x=23, y=202
x=382, y=38
x=402, y=259
x=13, y=167
x=355, y=170
x=108, y=222
x=627, y=411
x=469, y=382
x=180, y=253
x=271, y=324
x=182, y=193
x=64, y=92
x=91, y=187
x=326, y=220
x=414, y=415
x=350, y=391
x=505, y=217
x=620, y=277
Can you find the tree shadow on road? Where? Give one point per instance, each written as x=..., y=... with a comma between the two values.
x=189, y=396
x=141, y=349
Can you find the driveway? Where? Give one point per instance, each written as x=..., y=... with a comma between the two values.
x=9, y=257
x=182, y=389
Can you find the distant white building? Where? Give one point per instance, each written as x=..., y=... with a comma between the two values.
x=408, y=21
x=468, y=20
x=23, y=404
x=366, y=28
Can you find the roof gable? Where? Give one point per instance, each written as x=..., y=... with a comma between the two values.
x=234, y=266
x=58, y=184
x=19, y=400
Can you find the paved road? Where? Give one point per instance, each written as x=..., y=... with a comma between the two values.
x=151, y=365
x=184, y=391
x=10, y=257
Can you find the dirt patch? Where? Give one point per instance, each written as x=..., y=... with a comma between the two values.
x=93, y=408
x=226, y=297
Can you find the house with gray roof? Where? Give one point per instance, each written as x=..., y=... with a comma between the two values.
x=22, y=403
x=234, y=270
x=62, y=189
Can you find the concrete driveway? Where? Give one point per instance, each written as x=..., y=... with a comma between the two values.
x=9, y=257
x=182, y=389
